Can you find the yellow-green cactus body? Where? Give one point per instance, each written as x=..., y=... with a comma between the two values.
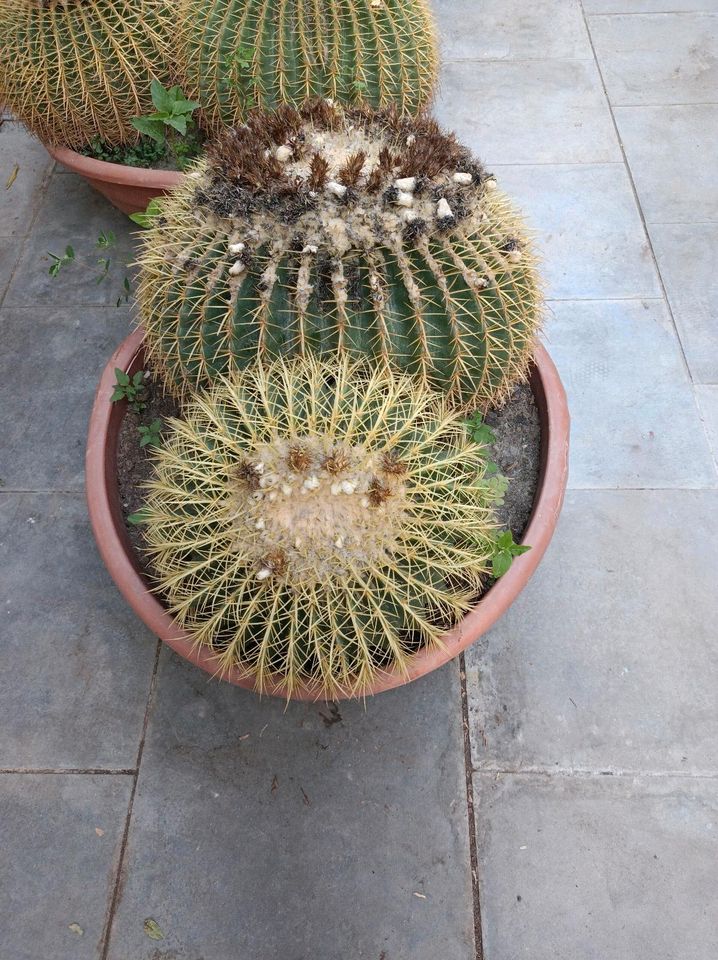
x=72, y=70
x=238, y=54
x=357, y=234
x=318, y=523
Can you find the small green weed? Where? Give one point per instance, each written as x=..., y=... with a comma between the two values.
x=131, y=389
x=504, y=552
x=150, y=435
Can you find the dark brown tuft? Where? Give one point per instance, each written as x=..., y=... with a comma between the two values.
x=391, y=463
x=378, y=492
x=299, y=458
x=318, y=171
x=247, y=472
x=351, y=170
x=276, y=561
x=337, y=461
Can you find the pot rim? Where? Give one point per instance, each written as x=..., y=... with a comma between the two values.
x=116, y=551
x=119, y=173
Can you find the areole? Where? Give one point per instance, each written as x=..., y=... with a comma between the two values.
x=110, y=532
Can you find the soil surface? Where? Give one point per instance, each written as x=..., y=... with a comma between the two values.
x=516, y=451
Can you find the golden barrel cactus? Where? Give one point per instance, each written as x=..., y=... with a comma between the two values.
x=72, y=70
x=356, y=233
x=318, y=523
x=239, y=54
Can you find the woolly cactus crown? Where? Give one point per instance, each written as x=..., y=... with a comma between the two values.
x=239, y=54
x=317, y=523
x=71, y=70
x=360, y=233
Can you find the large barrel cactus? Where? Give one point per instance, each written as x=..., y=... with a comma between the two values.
x=356, y=233
x=72, y=70
x=236, y=54
x=311, y=522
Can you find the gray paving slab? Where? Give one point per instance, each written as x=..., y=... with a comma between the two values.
x=708, y=403
x=634, y=416
x=73, y=213
x=300, y=832
x=588, y=229
x=649, y=6
x=671, y=152
x=60, y=837
x=658, y=58
x=603, y=868
x=607, y=661
x=529, y=111
x=75, y=663
x=686, y=256
x=24, y=168
x=9, y=252
x=46, y=406
x=512, y=30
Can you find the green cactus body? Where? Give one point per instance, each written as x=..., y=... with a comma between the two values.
x=239, y=54
x=314, y=522
x=72, y=70
x=357, y=234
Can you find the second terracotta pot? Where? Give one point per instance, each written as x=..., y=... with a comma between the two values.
x=129, y=189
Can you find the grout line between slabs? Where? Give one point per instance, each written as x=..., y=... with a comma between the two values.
x=71, y=771
x=584, y=773
x=471, y=813
x=117, y=889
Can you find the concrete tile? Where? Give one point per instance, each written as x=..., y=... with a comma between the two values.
x=264, y=831
x=19, y=201
x=74, y=214
x=671, y=152
x=9, y=251
x=588, y=229
x=540, y=111
x=55, y=870
x=708, y=403
x=512, y=30
x=658, y=58
x=607, y=661
x=634, y=416
x=600, y=868
x=75, y=663
x=686, y=258
x=46, y=406
x=649, y=6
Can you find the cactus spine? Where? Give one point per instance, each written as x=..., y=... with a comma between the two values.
x=72, y=70
x=239, y=54
x=318, y=523
x=355, y=233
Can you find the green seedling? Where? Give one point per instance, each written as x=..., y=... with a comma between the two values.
x=504, y=552
x=58, y=262
x=173, y=113
x=130, y=388
x=144, y=218
x=150, y=435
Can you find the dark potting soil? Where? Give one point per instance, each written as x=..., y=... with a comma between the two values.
x=517, y=452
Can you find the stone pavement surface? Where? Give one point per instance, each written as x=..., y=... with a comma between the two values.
x=556, y=796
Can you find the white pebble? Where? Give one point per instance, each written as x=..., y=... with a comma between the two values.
x=411, y=140
x=259, y=525
x=236, y=247
x=406, y=183
x=405, y=199
x=463, y=178
x=409, y=215
x=237, y=268
x=268, y=480
x=348, y=486
x=339, y=542
x=365, y=501
x=286, y=489
x=336, y=489
x=491, y=184
x=283, y=153
x=310, y=248
x=443, y=209
x=338, y=189
x=298, y=543
x=272, y=495
x=311, y=483
x=264, y=573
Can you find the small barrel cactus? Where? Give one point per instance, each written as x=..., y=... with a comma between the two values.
x=238, y=54
x=316, y=522
x=71, y=70
x=357, y=233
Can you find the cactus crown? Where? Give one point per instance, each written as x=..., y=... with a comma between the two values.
x=72, y=70
x=239, y=54
x=359, y=232
x=318, y=523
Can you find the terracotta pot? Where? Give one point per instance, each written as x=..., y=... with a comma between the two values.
x=110, y=532
x=130, y=189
